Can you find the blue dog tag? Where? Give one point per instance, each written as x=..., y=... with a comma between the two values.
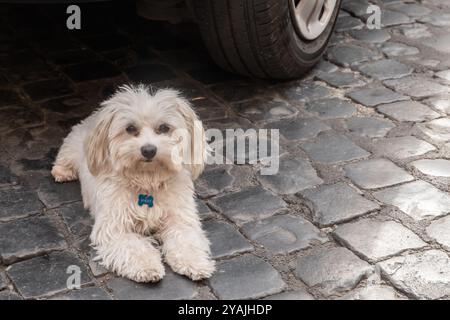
x=145, y=199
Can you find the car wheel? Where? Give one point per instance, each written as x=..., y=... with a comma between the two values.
x=278, y=39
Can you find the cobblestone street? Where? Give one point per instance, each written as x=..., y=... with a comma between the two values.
x=360, y=207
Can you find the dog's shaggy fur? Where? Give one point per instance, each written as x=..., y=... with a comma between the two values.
x=105, y=153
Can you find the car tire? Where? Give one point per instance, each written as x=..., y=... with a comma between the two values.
x=259, y=38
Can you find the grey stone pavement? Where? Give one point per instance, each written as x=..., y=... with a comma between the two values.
x=360, y=208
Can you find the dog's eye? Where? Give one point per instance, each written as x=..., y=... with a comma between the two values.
x=164, y=128
x=132, y=130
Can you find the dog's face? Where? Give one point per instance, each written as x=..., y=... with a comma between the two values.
x=139, y=133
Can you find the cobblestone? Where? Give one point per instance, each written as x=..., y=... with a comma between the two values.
x=376, y=173
x=283, y=234
x=433, y=167
x=333, y=148
x=240, y=278
x=418, y=199
x=357, y=135
x=375, y=240
x=171, y=287
x=331, y=108
x=294, y=174
x=225, y=240
x=408, y=111
x=249, y=204
x=25, y=238
x=424, y=275
x=369, y=127
x=332, y=270
x=52, y=271
x=402, y=147
x=337, y=203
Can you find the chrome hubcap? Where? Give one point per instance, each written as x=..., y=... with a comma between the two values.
x=312, y=16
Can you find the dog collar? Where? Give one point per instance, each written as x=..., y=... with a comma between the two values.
x=145, y=199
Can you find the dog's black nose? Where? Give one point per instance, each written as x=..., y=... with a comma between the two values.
x=148, y=151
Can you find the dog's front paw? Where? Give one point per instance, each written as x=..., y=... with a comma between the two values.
x=149, y=274
x=144, y=271
x=195, y=266
x=63, y=174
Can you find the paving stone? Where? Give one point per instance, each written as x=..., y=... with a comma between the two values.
x=331, y=108
x=433, y=167
x=371, y=36
x=203, y=210
x=445, y=74
x=249, y=204
x=439, y=43
x=95, y=265
x=171, y=287
x=438, y=130
x=376, y=240
x=417, y=87
x=325, y=66
x=304, y=91
x=265, y=109
x=385, y=69
x=418, y=199
x=91, y=70
x=415, y=31
x=9, y=295
x=54, y=194
x=150, y=73
x=437, y=19
x=373, y=292
x=240, y=278
x=77, y=219
x=440, y=103
x=369, y=127
x=340, y=79
x=45, y=89
x=333, y=148
x=294, y=174
x=89, y=293
x=356, y=7
x=348, y=23
x=3, y=281
x=299, y=128
x=393, y=49
x=438, y=230
x=336, y=203
x=332, y=270
x=411, y=9
x=283, y=233
x=225, y=240
x=29, y=237
x=372, y=96
x=52, y=271
x=402, y=147
x=424, y=275
x=408, y=111
x=291, y=295
x=349, y=55
x=376, y=173
x=213, y=181
x=18, y=203
x=392, y=18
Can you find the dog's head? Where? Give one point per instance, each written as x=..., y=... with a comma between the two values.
x=142, y=133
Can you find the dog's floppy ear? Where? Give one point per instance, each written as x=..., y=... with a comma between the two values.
x=197, y=140
x=97, y=143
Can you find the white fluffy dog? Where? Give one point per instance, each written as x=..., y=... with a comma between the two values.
x=135, y=186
